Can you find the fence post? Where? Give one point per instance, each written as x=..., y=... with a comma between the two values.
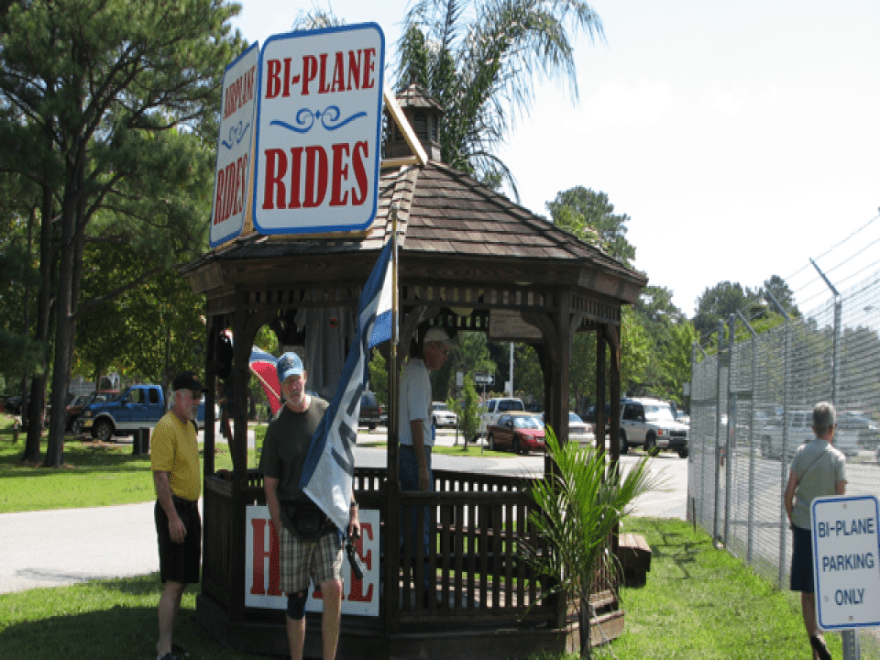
x=751, y=520
x=731, y=428
x=701, y=514
x=851, y=647
x=717, y=428
x=786, y=387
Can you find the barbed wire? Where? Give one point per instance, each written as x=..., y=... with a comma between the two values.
x=817, y=281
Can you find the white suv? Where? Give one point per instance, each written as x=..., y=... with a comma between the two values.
x=494, y=408
x=649, y=423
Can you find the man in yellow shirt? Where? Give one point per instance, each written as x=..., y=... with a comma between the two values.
x=174, y=457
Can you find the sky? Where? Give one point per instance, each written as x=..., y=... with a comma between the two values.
x=742, y=139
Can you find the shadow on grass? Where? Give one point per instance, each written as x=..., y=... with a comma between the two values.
x=679, y=548
x=115, y=619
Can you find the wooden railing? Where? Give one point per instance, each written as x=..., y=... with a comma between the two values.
x=477, y=525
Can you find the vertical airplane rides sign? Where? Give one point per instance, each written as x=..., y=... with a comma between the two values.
x=319, y=115
x=235, y=144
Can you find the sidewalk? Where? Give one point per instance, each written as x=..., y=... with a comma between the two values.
x=65, y=546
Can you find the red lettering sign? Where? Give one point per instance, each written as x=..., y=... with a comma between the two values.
x=307, y=179
x=357, y=586
x=260, y=555
x=318, y=131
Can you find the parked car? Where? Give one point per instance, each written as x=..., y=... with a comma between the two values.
x=140, y=406
x=12, y=405
x=589, y=417
x=442, y=416
x=800, y=430
x=578, y=430
x=649, y=423
x=371, y=414
x=75, y=408
x=521, y=432
x=866, y=430
x=491, y=411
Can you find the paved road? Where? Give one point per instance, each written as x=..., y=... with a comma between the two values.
x=54, y=548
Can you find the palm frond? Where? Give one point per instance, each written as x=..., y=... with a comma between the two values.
x=578, y=507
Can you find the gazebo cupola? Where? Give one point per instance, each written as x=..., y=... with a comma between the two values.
x=424, y=115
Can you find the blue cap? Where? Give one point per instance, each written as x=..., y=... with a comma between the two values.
x=289, y=364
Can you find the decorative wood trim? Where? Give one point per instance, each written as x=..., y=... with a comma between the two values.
x=594, y=310
x=400, y=119
x=301, y=296
x=479, y=297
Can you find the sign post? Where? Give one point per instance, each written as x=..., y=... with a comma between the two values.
x=846, y=549
x=484, y=379
x=319, y=119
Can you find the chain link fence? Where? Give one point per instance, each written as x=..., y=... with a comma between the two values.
x=751, y=408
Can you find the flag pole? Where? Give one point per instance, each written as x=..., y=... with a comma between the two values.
x=392, y=502
x=393, y=430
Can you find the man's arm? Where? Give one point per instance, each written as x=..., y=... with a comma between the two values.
x=840, y=487
x=788, y=497
x=270, y=488
x=163, y=493
x=416, y=428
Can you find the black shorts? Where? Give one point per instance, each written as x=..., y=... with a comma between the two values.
x=802, y=560
x=180, y=562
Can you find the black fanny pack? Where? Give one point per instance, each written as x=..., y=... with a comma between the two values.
x=308, y=521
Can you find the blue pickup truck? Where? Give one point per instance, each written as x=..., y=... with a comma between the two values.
x=140, y=406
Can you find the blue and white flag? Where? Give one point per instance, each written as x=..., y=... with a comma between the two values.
x=328, y=472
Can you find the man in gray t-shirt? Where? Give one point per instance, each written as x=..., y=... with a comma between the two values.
x=817, y=470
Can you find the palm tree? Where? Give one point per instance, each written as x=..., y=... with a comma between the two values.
x=579, y=506
x=481, y=60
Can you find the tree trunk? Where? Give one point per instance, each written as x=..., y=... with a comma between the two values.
x=41, y=334
x=65, y=322
x=584, y=615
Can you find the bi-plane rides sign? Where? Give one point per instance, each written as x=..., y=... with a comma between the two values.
x=299, y=140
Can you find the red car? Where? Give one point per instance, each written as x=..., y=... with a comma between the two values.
x=520, y=432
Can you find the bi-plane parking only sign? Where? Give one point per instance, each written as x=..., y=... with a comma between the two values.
x=319, y=117
x=846, y=572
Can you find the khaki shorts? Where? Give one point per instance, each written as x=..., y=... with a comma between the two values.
x=319, y=561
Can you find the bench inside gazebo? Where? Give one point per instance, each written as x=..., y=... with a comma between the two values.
x=470, y=261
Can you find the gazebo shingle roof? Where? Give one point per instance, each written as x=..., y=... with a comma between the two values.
x=442, y=211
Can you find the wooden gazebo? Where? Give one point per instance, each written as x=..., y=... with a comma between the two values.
x=470, y=260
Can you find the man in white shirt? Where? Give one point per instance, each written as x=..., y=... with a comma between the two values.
x=415, y=429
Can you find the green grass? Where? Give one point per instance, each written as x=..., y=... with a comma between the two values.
x=94, y=474
x=699, y=602
x=99, y=620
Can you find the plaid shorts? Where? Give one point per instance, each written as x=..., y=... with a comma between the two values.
x=320, y=561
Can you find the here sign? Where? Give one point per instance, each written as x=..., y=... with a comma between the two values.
x=262, y=567
x=319, y=118
x=846, y=572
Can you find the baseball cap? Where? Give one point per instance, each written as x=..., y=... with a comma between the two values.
x=289, y=364
x=437, y=334
x=186, y=380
